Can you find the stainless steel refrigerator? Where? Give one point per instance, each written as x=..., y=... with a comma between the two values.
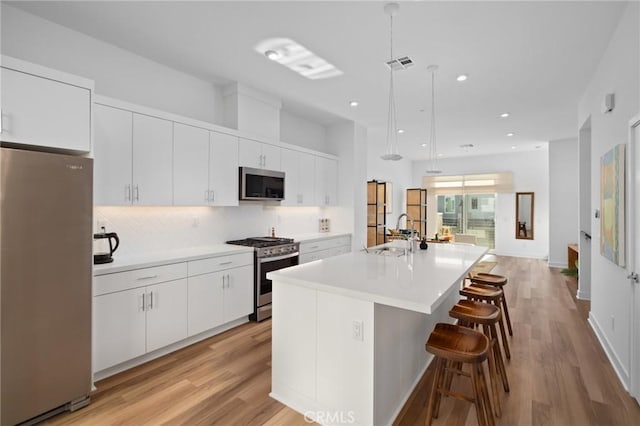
x=45, y=283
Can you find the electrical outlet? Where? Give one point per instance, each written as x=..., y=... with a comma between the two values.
x=358, y=330
x=196, y=222
x=101, y=223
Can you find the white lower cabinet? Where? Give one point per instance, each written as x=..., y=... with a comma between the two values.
x=142, y=310
x=119, y=328
x=324, y=248
x=219, y=297
x=133, y=322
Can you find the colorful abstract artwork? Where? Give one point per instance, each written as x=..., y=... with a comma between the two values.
x=612, y=193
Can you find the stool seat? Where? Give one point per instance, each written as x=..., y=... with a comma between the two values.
x=481, y=291
x=458, y=344
x=475, y=312
x=489, y=279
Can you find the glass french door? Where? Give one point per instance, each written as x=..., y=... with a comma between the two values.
x=469, y=214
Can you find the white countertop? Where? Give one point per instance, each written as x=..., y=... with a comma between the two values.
x=417, y=282
x=121, y=264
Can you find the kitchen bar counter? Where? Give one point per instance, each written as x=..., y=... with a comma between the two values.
x=128, y=263
x=348, y=332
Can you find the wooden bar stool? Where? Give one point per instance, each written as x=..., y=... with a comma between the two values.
x=489, y=294
x=469, y=313
x=495, y=281
x=453, y=344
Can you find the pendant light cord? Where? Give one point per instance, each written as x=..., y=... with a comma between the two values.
x=392, y=125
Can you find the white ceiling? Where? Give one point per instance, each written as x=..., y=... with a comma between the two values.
x=532, y=59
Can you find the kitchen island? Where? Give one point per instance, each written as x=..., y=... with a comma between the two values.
x=349, y=332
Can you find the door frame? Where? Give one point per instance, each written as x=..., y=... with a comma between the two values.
x=633, y=246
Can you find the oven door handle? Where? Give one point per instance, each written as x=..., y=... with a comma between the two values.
x=284, y=256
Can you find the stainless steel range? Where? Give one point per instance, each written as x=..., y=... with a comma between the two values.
x=271, y=254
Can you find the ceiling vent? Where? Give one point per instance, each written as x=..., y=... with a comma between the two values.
x=400, y=63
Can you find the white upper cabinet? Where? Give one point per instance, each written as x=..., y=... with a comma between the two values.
x=299, y=168
x=45, y=112
x=259, y=155
x=223, y=170
x=152, y=161
x=326, y=182
x=112, y=156
x=190, y=165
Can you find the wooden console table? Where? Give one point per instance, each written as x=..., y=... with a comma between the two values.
x=572, y=256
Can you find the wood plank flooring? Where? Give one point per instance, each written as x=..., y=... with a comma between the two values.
x=558, y=373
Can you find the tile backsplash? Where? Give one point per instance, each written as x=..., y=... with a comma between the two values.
x=145, y=230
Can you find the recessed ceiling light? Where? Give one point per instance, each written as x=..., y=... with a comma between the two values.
x=462, y=77
x=510, y=134
x=440, y=155
x=272, y=54
x=297, y=58
x=423, y=145
x=504, y=115
x=513, y=147
x=353, y=104
x=400, y=131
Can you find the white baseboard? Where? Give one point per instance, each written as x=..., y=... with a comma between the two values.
x=557, y=264
x=515, y=254
x=621, y=372
x=583, y=295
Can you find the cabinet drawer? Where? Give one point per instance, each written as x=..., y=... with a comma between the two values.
x=309, y=247
x=213, y=264
x=119, y=281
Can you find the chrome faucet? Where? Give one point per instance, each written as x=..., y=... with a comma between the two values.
x=410, y=239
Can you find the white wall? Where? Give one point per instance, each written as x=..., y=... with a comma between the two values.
x=117, y=73
x=396, y=172
x=564, y=199
x=530, y=174
x=349, y=142
x=618, y=72
x=297, y=130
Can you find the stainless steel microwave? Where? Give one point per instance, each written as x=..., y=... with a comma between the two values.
x=260, y=184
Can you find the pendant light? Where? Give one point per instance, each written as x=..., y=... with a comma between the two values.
x=392, y=127
x=432, y=162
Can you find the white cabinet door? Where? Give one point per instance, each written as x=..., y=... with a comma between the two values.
x=44, y=112
x=306, y=179
x=205, y=302
x=270, y=157
x=238, y=293
x=190, y=165
x=112, y=156
x=166, y=313
x=152, y=152
x=119, y=328
x=223, y=169
x=250, y=153
x=289, y=166
x=326, y=182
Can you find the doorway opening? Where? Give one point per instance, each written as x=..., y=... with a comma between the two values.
x=584, y=245
x=473, y=214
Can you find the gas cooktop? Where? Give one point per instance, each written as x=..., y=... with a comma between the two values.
x=260, y=242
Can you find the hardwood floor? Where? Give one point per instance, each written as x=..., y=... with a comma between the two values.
x=558, y=373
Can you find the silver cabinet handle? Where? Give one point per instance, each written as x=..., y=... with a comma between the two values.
x=206, y=195
x=213, y=196
x=148, y=277
x=226, y=263
x=1, y=121
x=223, y=282
x=314, y=247
x=127, y=192
x=136, y=193
x=151, y=302
x=144, y=306
x=228, y=281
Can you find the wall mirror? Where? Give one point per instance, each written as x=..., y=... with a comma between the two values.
x=524, y=215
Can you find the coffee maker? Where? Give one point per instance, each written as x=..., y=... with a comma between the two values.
x=103, y=248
